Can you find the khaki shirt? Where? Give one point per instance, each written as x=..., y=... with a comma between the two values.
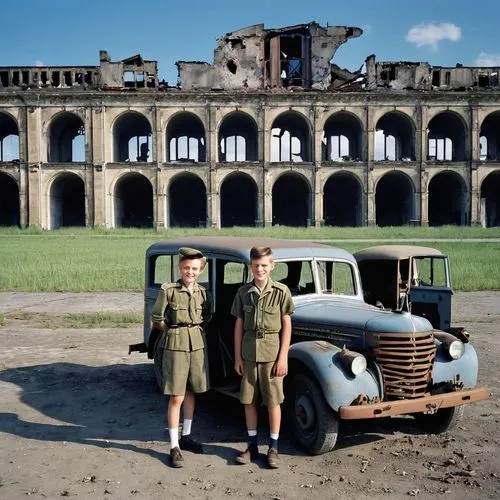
x=183, y=313
x=261, y=313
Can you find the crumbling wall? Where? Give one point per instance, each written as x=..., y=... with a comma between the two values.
x=240, y=57
x=324, y=45
x=400, y=75
x=195, y=75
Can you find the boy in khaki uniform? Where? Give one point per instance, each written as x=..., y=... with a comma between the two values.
x=262, y=335
x=180, y=311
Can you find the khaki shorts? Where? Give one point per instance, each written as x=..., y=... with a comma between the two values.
x=258, y=380
x=185, y=370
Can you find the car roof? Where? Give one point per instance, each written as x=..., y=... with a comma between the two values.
x=239, y=247
x=395, y=252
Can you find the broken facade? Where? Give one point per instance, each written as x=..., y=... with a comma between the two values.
x=259, y=143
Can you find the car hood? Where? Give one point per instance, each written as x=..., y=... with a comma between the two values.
x=341, y=314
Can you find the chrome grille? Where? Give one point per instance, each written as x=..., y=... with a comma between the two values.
x=406, y=361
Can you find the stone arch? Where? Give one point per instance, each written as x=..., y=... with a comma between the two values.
x=291, y=199
x=66, y=138
x=133, y=201
x=187, y=201
x=291, y=138
x=238, y=138
x=9, y=138
x=490, y=200
x=132, y=138
x=489, y=138
x=394, y=200
x=447, y=138
x=342, y=138
x=185, y=138
x=447, y=193
x=9, y=201
x=238, y=200
x=395, y=137
x=343, y=200
x=67, y=201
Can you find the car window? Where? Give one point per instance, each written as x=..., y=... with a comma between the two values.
x=297, y=275
x=429, y=271
x=162, y=270
x=234, y=273
x=337, y=277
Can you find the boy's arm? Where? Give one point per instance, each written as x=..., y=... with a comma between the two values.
x=280, y=368
x=238, y=336
x=158, y=311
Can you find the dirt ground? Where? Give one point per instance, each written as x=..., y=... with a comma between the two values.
x=79, y=417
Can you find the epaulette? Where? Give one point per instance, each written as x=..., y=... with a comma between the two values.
x=279, y=285
x=168, y=286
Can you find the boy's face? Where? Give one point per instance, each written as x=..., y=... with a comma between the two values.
x=261, y=268
x=190, y=269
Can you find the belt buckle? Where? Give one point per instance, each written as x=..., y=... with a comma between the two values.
x=260, y=334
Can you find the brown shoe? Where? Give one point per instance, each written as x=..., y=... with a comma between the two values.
x=273, y=460
x=251, y=453
x=176, y=458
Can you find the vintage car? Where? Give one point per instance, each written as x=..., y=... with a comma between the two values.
x=348, y=359
x=409, y=278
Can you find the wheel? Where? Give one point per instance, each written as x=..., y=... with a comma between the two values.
x=158, y=361
x=314, y=424
x=441, y=421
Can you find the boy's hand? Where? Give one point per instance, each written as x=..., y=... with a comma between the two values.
x=280, y=368
x=238, y=366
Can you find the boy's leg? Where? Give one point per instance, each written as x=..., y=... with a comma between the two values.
x=187, y=442
x=274, y=431
x=252, y=451
x=173, y=416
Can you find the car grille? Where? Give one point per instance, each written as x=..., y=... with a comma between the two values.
x=406, y=363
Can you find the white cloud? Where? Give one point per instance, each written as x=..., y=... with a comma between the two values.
x=484, y=59
x=39, y=63
x=432, y=33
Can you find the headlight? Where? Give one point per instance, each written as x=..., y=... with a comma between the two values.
x=456, y=349
x=455, y=346
x=353, y=361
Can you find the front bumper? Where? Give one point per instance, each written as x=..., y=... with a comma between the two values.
x=425, y=404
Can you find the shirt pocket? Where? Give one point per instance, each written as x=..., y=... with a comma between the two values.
x=249, y=317
x=180, y=313
x=272, y=318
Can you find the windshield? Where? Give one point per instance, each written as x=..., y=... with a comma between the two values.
x=430, y=271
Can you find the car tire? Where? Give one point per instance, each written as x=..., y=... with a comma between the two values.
x=441, y=421
x=313, y=423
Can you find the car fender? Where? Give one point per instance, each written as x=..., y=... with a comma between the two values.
x=339, y=387
x=461, y=370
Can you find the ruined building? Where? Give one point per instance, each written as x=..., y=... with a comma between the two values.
x=271, y=132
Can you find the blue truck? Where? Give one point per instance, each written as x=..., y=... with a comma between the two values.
x=349, y=359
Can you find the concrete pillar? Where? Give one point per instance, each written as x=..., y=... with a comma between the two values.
x=318, y=199
x=422, y=153
x=99, y=166
x=475, y=188
x=211, y=180
x=424, y=198
x=268, y=199
x=35, y=196
x=370, y=148
x=370, y=201
x=100, y=196
x=213, y=200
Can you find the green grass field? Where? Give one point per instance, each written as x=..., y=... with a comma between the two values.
x=85, y=259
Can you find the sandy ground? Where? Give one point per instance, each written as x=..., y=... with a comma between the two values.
x=81, y=418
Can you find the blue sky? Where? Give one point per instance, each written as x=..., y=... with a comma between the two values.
x=55, y=32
